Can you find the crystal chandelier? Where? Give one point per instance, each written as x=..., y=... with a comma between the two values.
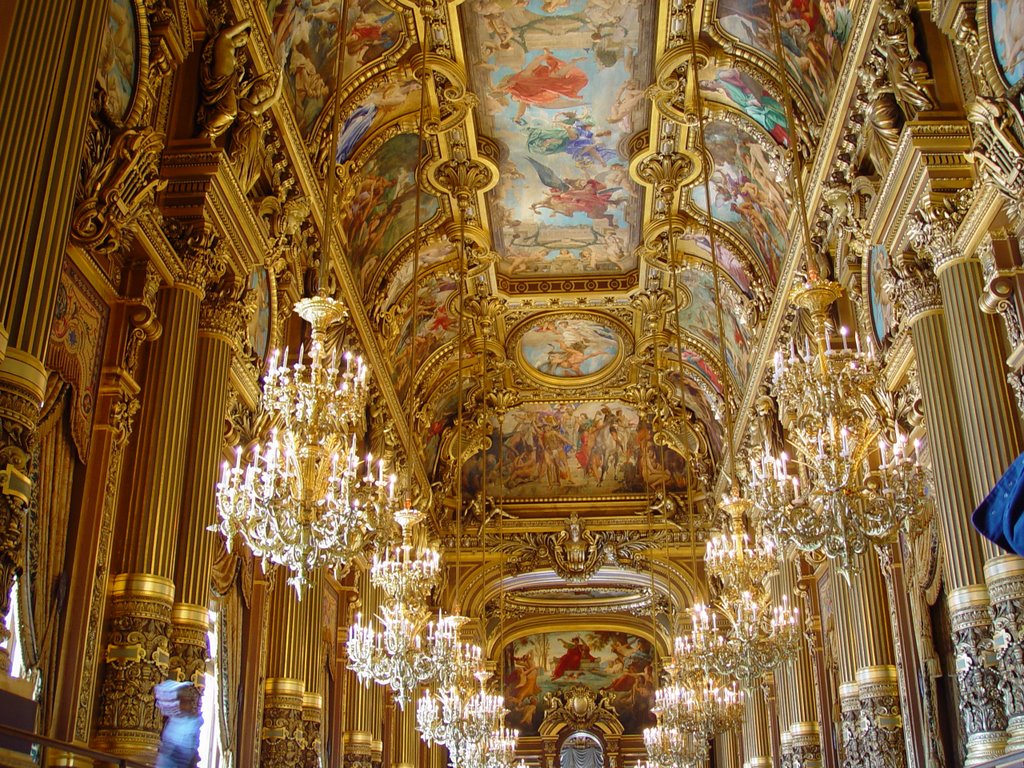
x=395, y=656
x=301, y=500
x=462, y=720
x=735, y=560
x=827, y=396
x=759, y=635
x=501, y=748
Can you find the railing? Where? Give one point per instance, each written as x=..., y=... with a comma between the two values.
x=63, y=746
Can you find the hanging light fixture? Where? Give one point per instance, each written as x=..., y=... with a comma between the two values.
x=395, y=656
x=302, y=499
x=826, y=392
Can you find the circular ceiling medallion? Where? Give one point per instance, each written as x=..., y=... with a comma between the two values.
x=569, y=348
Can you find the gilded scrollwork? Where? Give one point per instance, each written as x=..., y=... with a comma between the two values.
x=981, y=705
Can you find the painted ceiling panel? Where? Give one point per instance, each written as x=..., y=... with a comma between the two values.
x=304, y=36
x=557, y=81
x=813, y=36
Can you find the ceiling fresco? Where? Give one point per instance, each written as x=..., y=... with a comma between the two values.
x=304, y=36
x=582, y=294
x=559, y=85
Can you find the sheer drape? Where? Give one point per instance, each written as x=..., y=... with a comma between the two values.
x=227, y=587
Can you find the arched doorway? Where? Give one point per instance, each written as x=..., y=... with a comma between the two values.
x=581, y=749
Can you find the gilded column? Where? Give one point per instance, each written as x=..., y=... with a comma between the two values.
x=757, y=748
x=222, y=321
x=845, y=634
x=991, y=429
x=313, y=698
x=283, y=734
x=45, y=91
x=1005, y=578
x=877, y=679
x=803, y=722
x=142, y=596
x=726, y=755
x=916, y=294
x=407, y=740
x=358, y=734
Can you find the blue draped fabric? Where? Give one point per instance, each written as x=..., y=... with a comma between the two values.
x=1000, y=517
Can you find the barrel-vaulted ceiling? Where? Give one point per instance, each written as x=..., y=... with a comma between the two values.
x=546, y=128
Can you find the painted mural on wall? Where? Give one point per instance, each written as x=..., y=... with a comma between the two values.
x=700, y=317
x=745, y=193
x=557, y=80
x=436, y=324
x=304, y=35
x=615, y=662
x=78, y=332
x=383, y=210
x=725, y=258
x=1006, y=20
x=386, y=100
x=814, y=34
x=570, y=347
x=568, y=450
x=882, y=311
x=118, y=67
x=738, y=89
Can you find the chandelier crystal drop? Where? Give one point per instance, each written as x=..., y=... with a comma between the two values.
x=836, y=503
x=302, y=500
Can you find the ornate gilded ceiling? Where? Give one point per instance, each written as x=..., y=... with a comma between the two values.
x=562, y=173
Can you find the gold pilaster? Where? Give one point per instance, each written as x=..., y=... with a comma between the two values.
x=881, y=722
x=981, y=706
x=851, y=752
x=726, y=755
x=312, y=718
x=136, y=659
x=1005, y=578
x=798, y=689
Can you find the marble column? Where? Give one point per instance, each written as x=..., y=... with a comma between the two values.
x=916, y=294
x=991, y=427
x=283, y=735
x=1005, y=578
x=142, y=596
x=802, y=725
x=358, y=726
x=315, y=672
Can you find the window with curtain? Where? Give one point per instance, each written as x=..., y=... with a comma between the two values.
x=210, y=754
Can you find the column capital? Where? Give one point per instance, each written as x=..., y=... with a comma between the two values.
x=226, y=314
x=201, y=252
x=913, y=288
x=932, y=232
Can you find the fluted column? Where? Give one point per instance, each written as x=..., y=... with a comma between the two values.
x=221, y=324
x=877, y=679
x=757, y=748
x=315, y=672
x=726, y=755
x=803, y=721
x=846, y=630
x=992, y=432
x=358, y=727
x=916, y=294
x=137, y=655
x=48, y=75
x=283, y=735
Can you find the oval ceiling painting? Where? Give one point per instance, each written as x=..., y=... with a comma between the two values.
x=571, y=347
